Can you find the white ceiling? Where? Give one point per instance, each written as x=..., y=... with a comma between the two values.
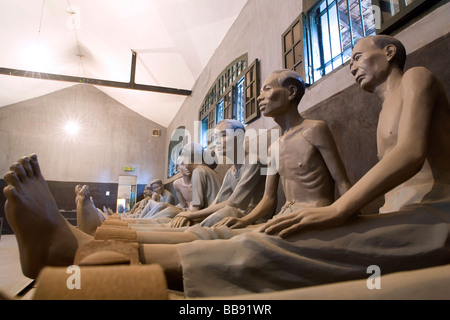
x=174, y=40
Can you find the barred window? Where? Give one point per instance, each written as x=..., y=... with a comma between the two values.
x=322, y=38
x=232, y=96
x=332, y=29
x=394, y=13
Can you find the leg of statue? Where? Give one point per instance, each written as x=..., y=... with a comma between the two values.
x=155, y=237
x=87, y=216
x=166, y=255
x=44, y=236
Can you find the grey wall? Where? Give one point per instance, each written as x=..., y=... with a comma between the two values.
x=111, y=137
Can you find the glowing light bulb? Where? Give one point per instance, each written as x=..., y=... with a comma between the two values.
x=72, y=128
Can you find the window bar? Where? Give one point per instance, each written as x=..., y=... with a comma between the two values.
x=350, y=23
x=363, y=27
x=308, y=51
x=339, y=27
x=401, y=5
x=329, y=38
x=319, y=38
x=392, y=8
x=309, y=46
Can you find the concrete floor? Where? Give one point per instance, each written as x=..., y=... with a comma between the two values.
x=12, y=282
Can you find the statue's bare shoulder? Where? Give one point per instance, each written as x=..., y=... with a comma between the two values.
x=178, y=183
x=421, y=90
x=317, y=132
x=420, y=81
x=421, y=72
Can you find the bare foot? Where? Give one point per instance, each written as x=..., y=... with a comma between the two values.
x=105, y=211
x=43, y=235
x=87, y=216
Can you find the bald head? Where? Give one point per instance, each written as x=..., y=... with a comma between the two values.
x=288, y=78
x=382, y=41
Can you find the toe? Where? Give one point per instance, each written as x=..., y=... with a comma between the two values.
x=13, y=180
x=85, y=190
x=35, y=165
x=19, y=170
x=10, y=192
x=25, y=162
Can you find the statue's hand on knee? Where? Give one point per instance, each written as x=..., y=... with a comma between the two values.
x=232, y=222
x=180, y=221
x=305, y=219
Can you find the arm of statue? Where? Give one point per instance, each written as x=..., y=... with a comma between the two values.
x=250, y=176
x=199, y=190
x=267, y=204
x=418, y=92
x=320, y=136
x=156, y=197
x=168, y=198
x=185, y=218
x=139, y=206
x=136, y=205
x=181, y=200
x=193, y=208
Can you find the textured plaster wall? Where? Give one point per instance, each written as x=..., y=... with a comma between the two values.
x=111, y=137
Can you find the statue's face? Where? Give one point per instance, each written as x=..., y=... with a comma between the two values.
x=369, y=64
x=273, y=99
x=147, y=191
x=157, y=187
x=224, y=136
x=185, y=169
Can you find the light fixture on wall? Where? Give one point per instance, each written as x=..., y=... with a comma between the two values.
x=72, y=127
x=73, y=123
